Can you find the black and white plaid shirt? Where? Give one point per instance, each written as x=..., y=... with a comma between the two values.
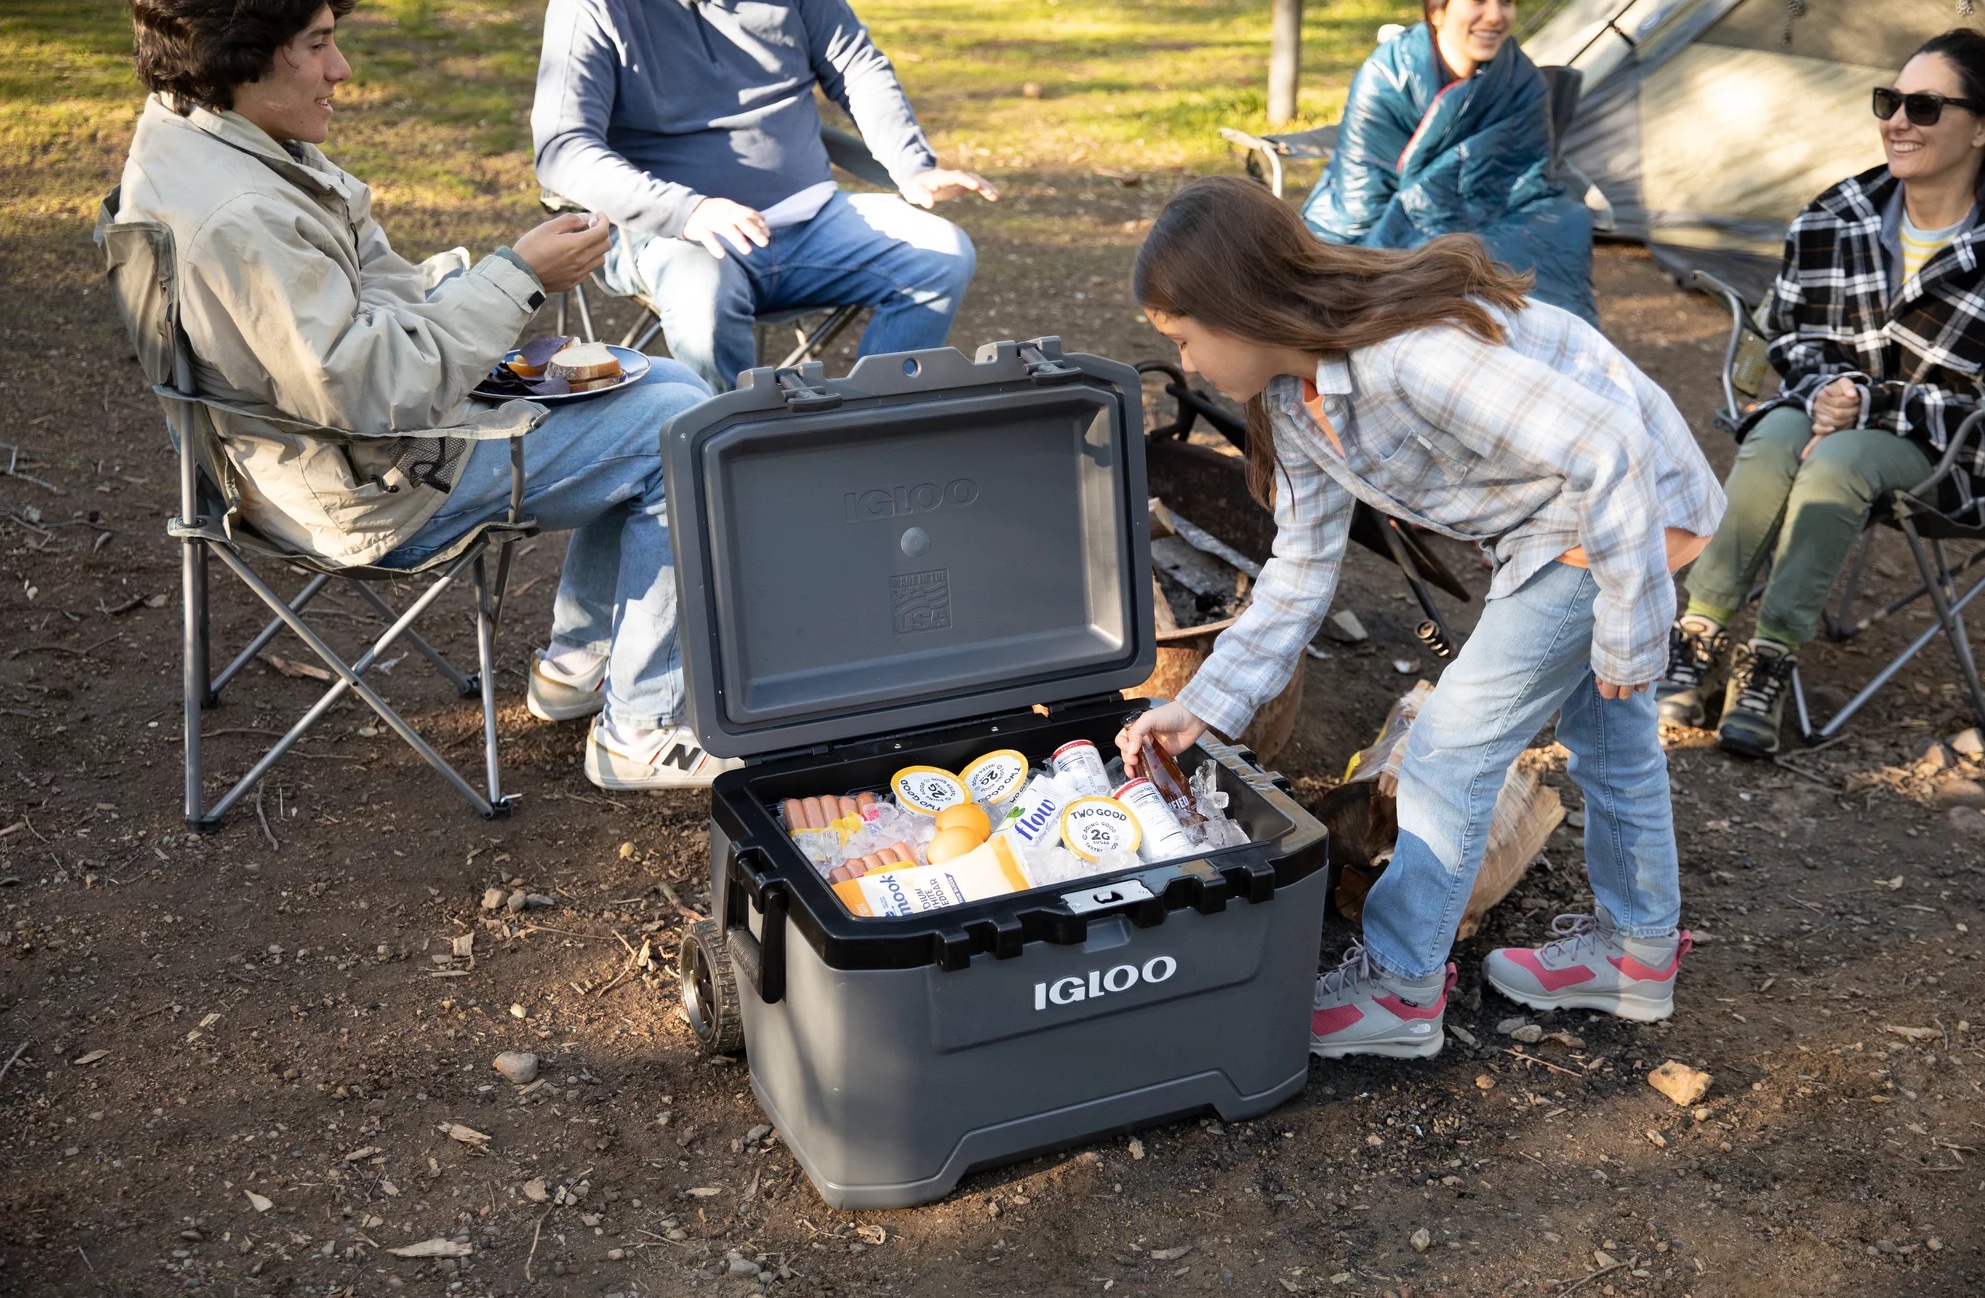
x=1917, y=354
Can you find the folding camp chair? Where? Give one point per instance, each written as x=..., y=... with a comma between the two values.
x=1935, y=511
x=143, y=272
x=1384, y=536
x=815, y=328
x=1265, y=153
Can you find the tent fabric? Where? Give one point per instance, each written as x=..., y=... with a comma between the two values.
x=1707, y=125
x=1417, y=159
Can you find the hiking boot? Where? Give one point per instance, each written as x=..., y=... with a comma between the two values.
x=1698, y=652
x=1754, y=702
x=1362, y=1010
x=1592, y=966
x=556, y=696
x=655, y=759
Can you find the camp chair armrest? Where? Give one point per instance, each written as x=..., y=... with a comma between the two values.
x=1740, y=310
x=1948, y=462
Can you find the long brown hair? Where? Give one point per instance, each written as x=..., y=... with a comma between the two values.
x=1232, y=256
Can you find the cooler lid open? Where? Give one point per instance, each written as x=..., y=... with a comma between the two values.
x=929, y=539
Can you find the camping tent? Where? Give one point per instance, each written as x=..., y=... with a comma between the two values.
x=1706, y=125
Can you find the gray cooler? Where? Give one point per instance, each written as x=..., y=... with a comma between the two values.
x=896, y=568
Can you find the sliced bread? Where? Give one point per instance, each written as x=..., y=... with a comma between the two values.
x=583, y=363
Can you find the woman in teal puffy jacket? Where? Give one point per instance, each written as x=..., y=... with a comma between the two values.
x=1446, y=131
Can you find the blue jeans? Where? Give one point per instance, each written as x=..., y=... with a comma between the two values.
x=872, y=250
x=594, y=467
x=1529, y=656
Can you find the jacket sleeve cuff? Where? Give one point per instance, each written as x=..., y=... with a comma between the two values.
x=514, y=276
x=1219, y=709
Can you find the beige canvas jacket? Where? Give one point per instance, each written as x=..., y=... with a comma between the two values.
x=348, y=367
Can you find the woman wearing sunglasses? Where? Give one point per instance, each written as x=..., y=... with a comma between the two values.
x=1877, y=327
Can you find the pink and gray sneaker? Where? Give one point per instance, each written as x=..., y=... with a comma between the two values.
x=1592, y=966
x=1362, y=1010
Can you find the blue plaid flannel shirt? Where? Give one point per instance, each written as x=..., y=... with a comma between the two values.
x=1552, y=441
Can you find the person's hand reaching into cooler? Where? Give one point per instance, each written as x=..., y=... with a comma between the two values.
x=1172, y=726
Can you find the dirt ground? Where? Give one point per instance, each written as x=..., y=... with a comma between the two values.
x=237, y=1052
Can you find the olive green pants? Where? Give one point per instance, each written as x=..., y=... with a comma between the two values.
x=1804, y=514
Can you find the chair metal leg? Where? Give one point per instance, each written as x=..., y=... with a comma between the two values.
x=1943, y=590
x=464, y=686
x=585, y=315
x=486, y=655
x=637, y=337
x=349, y=680
x=268, y=633
x=821, y=338
x=193, y=654
x=1949, y=613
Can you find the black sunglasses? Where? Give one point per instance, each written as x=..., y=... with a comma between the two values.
x=1923, y=108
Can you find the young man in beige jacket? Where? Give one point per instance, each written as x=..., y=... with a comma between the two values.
x=295, y=304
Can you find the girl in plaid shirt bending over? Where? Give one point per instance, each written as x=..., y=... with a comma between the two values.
x=1426, y=384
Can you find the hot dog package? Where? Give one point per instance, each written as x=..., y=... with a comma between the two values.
x=989, y=870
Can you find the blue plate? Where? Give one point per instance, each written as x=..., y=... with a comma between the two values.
x=632, y=366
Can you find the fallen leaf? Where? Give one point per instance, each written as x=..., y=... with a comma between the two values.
x=299, y=671
x=433, y=1248
x=1914, y=1034
x=702, y=1191
x=534, y=1190
x=257, y=1202
x=1170, y=1254
x=873, y=1234
x=467, y=1135
x=357, y=1154
x=388, y=1189
x=91, y=1057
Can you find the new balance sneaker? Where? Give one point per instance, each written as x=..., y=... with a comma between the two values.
x=1592, y=966
x=1362, y=1010
x=651, y=759
x=1754, y=703
x=1698, y=659
x=558, y=695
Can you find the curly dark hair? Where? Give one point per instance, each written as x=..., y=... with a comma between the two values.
x=198, y=51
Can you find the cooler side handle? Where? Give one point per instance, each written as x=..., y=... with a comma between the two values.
x=761, y=959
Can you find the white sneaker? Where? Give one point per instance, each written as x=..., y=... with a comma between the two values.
x=555, y=695
x=652, y=759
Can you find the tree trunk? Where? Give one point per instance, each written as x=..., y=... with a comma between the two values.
x=1285, y=60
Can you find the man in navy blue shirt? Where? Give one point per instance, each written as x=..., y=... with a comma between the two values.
x=691, y=124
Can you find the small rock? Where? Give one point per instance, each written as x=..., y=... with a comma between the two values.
x=519, y=1066
x=1600, y=1257
x=463, y=946
x=258, y=1202
x=1529, y=1034
x=538, y=901
x=1136, y=1149
x=1681, y=1083
x=626, y=850
x=1958, y=791
x=515, y=903
x=1030, y=90
x=1345, y=628
x=492, y=899
x=1508, y=1026
x=1969, y=744
x=1461, y=1034
x=1406, y=666
x=743, y=1266
x=758, y=1133
x=1657, y=1140
x=534, y=1190
x=1968, y=821
x=1576, y=819
x=1421, y=1240
x=516, y=1011
x=1934, y=757
x=615, y=1254
x=1169, y=1254
x=1484, y=1082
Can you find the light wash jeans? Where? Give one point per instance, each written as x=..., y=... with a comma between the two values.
x=594, y=467
x=871, y=250
x=1529, y=656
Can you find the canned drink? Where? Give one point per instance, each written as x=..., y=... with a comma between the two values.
x=1080, y=768
x=1163, y=837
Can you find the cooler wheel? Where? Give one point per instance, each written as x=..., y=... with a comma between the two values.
x=709, y=990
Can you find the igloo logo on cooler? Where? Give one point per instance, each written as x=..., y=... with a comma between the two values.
x=1102, y=982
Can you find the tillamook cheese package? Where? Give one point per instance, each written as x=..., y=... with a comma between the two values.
x=989, y=870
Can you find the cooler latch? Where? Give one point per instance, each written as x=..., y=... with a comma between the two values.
x=1110, y=895
x=800, y=390
x=1042, y=356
